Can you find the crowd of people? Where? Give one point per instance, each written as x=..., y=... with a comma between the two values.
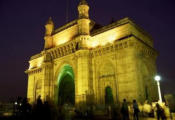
x=45, y=110
x=48, y=111
x=160, y=114
x=24, y=111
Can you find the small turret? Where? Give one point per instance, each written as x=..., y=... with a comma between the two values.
x=49, y=28
x=83, y=2
x=83, y=9
x=83, y=21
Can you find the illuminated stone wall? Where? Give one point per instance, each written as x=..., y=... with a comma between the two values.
x=120, y=56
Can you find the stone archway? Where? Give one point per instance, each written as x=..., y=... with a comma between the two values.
x=107, y=79
x=65, y=91
x=108, y=96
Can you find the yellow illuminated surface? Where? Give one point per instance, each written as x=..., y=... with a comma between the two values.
x=107, y=37
x=36, y=62
x=103, y=67
x=65, y=35
x=102, y=39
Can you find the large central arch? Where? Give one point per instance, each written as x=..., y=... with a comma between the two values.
x=65, y=92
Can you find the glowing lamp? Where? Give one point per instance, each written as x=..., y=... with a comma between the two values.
x=157, y=78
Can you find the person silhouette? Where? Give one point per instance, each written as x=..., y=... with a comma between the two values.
x=160, y=112
x=136, y=110
x=124, y=110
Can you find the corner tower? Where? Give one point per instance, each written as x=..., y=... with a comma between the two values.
x=83, y=21
x=84, y=93
x=49, y=28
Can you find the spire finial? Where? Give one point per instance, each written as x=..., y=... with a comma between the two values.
x=83, y=2
x=83, y=9
x=50, y=21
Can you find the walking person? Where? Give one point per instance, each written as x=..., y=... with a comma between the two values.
x=124, y=110
x=136, y=110
x=160, y=112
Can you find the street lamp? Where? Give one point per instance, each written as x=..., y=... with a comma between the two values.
x=158, y=78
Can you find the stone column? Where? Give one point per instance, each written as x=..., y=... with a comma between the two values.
x=30, y=89
x=47, y=81
x=83, y=74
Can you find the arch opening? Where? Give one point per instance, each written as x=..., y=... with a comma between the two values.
x=108, y=96
x=65, y=87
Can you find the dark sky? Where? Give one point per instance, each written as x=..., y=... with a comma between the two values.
x=22, y=30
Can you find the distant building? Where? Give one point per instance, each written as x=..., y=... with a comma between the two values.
x=6, y=109
x=83, y=62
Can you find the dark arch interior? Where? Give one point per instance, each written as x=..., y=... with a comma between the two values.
x=66, y=91
x=108, y=96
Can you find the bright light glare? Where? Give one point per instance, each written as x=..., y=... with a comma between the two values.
x=157, y=78
x=111, y=38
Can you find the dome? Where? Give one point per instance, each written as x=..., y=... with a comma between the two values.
x=83, y=2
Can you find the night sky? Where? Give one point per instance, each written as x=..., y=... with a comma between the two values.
x=22, y=31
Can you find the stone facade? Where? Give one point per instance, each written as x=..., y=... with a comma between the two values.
x=120, y=56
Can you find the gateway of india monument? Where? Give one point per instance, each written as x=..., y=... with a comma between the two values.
x=84, y=62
